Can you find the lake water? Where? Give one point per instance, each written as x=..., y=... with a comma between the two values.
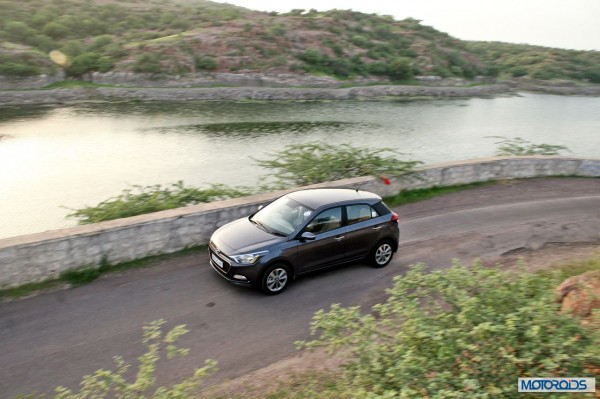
x=73, y=156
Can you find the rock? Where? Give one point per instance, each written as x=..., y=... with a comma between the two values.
x=580, y=295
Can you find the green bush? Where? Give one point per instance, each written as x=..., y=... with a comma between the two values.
x=401, y=69
x=359, y=41
x=18, y=31
x=55, y=30
x=102, y=41
x=89, y=62
x=593, y=75
x=148, y=63
x=295, y=165
x=141, y=200
x=311, y=56
x=377, y=68
x=543, y=74
x=521, y=147
x=206, y=62
x=18, y=69
x=518, y=71
x=459, y=333
x=104, y=384
x=304, y=164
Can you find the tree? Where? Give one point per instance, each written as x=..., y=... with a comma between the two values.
x=459, y=333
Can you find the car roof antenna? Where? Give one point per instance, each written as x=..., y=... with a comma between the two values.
x=359, y=186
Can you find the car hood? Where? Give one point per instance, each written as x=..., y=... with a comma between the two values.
x=243, y=236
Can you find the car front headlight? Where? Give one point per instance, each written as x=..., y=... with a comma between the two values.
x=248, y=259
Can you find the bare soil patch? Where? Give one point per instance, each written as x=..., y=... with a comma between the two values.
x=548, y=256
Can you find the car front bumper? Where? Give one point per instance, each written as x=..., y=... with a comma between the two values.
x=222, y=273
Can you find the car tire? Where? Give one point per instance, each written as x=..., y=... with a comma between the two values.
x=275, y=279
x=381, y=255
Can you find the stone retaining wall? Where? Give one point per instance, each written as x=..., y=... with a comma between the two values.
x=36, y=257
x=30, y=82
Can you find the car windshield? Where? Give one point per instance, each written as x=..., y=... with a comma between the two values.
x=282, y=216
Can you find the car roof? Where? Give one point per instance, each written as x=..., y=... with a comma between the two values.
x=316, y=198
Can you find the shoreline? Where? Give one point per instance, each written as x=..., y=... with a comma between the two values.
x=177, y=94
x=243, y=93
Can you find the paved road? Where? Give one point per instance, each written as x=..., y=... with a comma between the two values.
x=56, y=338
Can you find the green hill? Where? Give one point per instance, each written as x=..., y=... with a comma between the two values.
x=177, y=37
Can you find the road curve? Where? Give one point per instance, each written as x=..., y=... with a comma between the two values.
x=56, y=338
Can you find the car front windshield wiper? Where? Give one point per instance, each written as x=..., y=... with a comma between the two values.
x=267, y=229
x=277, y=233
x=259, y=224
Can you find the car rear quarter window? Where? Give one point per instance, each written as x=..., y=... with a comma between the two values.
x=381, y=208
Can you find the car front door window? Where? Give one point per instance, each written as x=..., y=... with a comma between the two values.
x=325, y=221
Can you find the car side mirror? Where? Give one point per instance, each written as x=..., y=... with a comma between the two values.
x=260, y=207
x=308, y=236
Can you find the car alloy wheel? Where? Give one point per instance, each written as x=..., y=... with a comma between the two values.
x=382, y=254
x=275, y=279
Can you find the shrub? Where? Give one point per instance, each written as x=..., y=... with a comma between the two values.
x=340, y=67
x=206, y=62
x=102, y=41
x=593, y=75
x=18, y=31
x=295, y=165
x=89, y=61
x=311, y=56
x=148, y=63
x=141, y=200
x=18, y=69
x=519, y=71
x=114, y=384
x=55, y=30
x=520, y=147
x=303, y=164
x=359, y=41
x=463, y=332
x=401, y=69
x=377, y=68
x=544, y=74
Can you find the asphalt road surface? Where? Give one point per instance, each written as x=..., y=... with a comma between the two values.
x=56, y=338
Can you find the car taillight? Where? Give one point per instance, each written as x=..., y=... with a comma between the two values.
x=394, y=217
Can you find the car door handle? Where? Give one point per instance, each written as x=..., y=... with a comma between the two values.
x=377, y=227
x=338, y=238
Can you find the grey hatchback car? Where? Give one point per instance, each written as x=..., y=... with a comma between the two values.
x=302, y=232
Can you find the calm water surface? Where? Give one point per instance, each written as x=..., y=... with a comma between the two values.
x=73, y=156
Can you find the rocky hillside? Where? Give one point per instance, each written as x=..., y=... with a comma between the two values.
x=177, y=37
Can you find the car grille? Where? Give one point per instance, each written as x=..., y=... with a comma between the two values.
x=214, y=251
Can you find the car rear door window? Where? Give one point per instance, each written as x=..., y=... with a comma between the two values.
x=359, y=213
